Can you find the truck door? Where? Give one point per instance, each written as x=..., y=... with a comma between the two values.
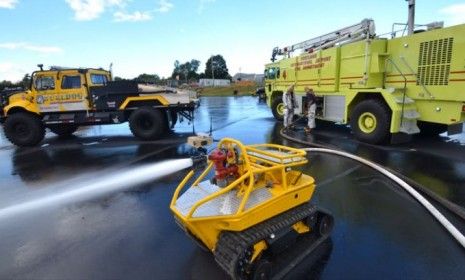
x=72, y=96
x=45, y=87
x=60, y=95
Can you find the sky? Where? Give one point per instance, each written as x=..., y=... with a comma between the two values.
x=147, y=36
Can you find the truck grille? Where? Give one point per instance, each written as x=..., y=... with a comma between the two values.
x=434, y=62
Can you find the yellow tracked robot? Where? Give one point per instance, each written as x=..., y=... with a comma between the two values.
x=249, y=205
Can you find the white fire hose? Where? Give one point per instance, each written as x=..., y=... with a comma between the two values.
x=423, y=201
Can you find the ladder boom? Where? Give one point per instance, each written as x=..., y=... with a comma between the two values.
x=364, y=29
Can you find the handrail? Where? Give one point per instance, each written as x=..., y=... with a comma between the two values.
x=180, y=187
x=250, y=166
x=295, y=152
x=416, y=76
x=289, y=154
x=267, y=169
x=204, y=173
x=404, y=89
x=187, y=178
x=242, y=148
x=246, y=195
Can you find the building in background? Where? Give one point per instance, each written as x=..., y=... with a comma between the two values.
x=258, y=78
x=214, y=82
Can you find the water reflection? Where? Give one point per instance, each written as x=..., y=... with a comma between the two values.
x=39, y=166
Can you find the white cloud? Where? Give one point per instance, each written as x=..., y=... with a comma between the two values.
x=164, y=6
x=136, y=16
x=8, y=4
x=456, y=13
x=30, y=47
x=92, y=9
x=11, y=72
x=203, y=4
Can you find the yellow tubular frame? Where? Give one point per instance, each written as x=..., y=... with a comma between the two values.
x=178, y=189
x=251, y=168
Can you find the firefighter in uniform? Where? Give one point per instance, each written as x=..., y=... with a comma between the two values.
x=290, y=103
x=311, y=108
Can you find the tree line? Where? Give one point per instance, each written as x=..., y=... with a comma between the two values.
x=215, y=68
x=186, y=72
x=24, y=83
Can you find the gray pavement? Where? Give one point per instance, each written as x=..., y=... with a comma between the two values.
x=380, y=232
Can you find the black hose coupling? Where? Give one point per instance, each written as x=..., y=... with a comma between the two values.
x=199, y=161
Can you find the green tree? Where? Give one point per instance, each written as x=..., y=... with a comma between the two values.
x=6, y=84
x=148, y=78
x=186, y=71
x=216, y=68
x=26, y=81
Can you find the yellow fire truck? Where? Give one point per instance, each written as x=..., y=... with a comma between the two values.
x=62, y=99
x=386, y=89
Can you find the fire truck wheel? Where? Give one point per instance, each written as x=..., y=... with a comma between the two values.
x=148, y=123
x=63, y=130
x=431, y=129
x=277, y=107
x=370, y=121
x=24, y=129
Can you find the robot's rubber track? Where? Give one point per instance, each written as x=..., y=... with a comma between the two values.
x=232, y=246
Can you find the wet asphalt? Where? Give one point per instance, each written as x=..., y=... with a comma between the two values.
x=380, y=231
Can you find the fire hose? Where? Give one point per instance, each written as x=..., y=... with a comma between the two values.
x=408, y=188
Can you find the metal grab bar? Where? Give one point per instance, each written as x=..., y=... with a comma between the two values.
x=416, y=77
x=405, y=85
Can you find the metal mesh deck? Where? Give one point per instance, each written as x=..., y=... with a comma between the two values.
x=225, y=204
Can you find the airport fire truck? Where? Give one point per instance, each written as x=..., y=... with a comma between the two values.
x=386, y=89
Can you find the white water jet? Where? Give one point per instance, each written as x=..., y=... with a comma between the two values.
x=98, y=187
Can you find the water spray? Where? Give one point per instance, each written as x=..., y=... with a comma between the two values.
x=95, y=188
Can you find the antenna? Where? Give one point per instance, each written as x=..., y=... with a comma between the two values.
x=211, y=128
x=111, y=70
x=193, y=123
x=411, y=16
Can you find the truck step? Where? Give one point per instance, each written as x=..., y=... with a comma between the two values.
x=411, y=114
x=62, y=118
x=409, y=126
x=395, y=90
x=400, y=99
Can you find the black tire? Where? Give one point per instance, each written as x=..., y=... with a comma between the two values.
x=370, y=121
x=148, y=123
x=431, y=129
x=24, y=129
x=277, y=108
x=262, y=270
x=325, y=225
x=63, y=130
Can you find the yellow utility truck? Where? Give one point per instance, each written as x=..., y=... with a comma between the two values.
x=62, y=99
x=249, y=205
x=386, y=89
